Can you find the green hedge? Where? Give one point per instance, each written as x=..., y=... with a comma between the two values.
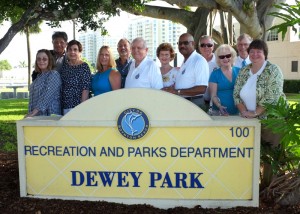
x=291, y=86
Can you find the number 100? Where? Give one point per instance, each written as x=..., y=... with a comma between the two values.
x=239, y=132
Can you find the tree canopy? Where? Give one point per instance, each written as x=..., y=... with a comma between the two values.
x=87, y=14
x=4, y=65
x=252, y=16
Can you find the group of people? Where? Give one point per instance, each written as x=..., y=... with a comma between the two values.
x=217, y=81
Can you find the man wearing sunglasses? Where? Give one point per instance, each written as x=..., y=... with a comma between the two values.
x=192, y=78
x=206, y=48
x=243, y=42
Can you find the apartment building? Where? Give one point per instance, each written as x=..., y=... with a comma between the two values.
x=92, y=42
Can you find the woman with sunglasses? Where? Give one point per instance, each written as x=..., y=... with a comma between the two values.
x=222, y=80
x=44, y=92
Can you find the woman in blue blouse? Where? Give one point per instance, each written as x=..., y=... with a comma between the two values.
x=222, y=80
x=44, y=92
x=108, y=77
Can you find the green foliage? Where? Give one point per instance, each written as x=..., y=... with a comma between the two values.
x=291, y=18
x=22, y=64
x=92, y=68
x=88, y=14
x=283, y=119
x=4, y=65
x=291, y=86
x=11, y=110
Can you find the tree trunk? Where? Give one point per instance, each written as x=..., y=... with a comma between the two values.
x=28, y=54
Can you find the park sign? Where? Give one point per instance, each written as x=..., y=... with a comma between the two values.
x=138, y=146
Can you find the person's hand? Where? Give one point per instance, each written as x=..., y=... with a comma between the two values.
x=248, y=114
x=223, y=111
x=170, y=89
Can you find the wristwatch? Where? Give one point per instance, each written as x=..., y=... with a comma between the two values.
x=178, y=92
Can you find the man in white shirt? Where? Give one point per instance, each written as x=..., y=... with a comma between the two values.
x=243, y=42
x=206, y=48
x=143, y=71
x=192, y=78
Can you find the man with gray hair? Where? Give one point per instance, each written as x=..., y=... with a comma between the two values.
x=242, y=45
x=143, y=71
x=124, y=60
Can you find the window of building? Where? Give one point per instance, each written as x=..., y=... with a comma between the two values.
x=273, y=35
x=294, y=66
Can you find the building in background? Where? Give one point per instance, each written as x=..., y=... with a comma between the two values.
x=92, y=42
x=285, y=53
x=155, y=32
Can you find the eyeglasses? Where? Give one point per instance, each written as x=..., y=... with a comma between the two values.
x=223, y=56
x=41, y=59
x=184, y=43
x=203, y=45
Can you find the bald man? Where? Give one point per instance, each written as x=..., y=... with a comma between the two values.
x=192, y=78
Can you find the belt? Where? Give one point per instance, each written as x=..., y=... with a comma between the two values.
x=194, y=98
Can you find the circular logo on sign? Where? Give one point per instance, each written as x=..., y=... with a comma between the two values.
x=133, y=123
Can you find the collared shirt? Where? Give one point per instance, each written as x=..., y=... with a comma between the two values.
x=193, y=72
x=239, y=62
x=44, y=94
x=59, y=60
x=146, y=75
x=123, y=69
x=212, y=65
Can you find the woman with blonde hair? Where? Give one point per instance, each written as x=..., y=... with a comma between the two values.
x=107, y=77
x=222, y=81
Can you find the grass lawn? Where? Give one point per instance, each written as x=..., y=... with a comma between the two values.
x=12, y=110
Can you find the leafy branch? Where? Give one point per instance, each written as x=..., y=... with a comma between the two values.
x=291, y=18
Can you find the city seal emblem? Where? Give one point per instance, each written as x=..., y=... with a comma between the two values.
x=133, y=123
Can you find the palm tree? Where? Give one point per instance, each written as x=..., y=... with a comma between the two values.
x=34, y=29
x=28, y=29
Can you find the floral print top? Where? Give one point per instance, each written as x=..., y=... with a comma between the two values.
x=269, y=85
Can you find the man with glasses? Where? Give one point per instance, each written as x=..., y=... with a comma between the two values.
x=206, y=48
x=192, y=78
x=124, y=60
x=243, y=43
x=143, y=71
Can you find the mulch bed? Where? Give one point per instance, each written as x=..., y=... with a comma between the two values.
x=11, y=202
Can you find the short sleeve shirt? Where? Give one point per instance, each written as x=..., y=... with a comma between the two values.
x=193, y=72
x=146, y=75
